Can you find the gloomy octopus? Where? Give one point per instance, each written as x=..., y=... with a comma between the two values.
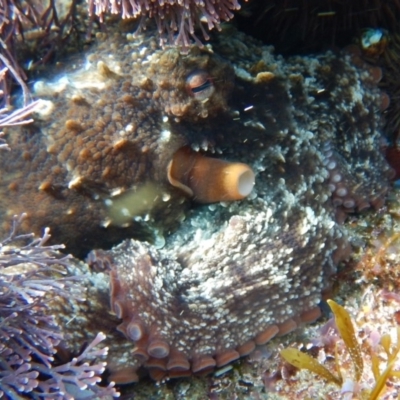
x=200, y=284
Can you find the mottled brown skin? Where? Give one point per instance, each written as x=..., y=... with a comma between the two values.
x=66, y=164
x=232, y=275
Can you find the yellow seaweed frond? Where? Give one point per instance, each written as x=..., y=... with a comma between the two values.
x=303, y=361
x=337, y=359
x=386, y=343
x=380, y=383
x=381, y=379
x=375, y=366
x=346, y=331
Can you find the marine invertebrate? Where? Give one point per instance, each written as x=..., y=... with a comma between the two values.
x=388, y=60
x=75, y=159
x=86, y=176
x=176, y=20
x=29, y=335
x=209, y=180
x=199, y=84
x=229, y=276
x=373, y=42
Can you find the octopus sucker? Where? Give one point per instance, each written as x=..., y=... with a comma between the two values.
x=193, y=287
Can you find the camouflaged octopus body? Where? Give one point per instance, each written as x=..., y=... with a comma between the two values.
x=104, y=130
x=232, y=275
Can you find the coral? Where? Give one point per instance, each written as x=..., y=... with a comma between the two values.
x=176, y=20
x=30, y=335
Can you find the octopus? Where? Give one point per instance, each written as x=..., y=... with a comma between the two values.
x=197, y=280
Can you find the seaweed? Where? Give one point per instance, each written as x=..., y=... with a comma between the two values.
x=347, y=332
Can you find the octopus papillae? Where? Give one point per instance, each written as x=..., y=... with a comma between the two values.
x=203, y=276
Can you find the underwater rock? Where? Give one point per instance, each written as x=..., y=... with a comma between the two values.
x=230, y=275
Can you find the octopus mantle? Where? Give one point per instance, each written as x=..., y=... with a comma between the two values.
x=230, y=275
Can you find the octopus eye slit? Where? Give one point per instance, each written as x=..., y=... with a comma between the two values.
x=200, y=85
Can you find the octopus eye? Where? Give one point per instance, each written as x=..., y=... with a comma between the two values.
x=374, y=41
x=200, y=85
